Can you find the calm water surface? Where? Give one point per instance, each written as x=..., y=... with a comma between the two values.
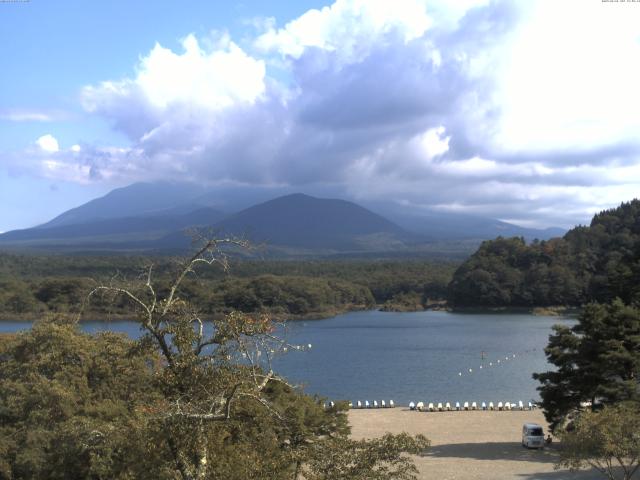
x=408, y=356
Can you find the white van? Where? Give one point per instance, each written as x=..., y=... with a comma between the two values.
x=532, y=436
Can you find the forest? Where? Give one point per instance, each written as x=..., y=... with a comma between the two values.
x=599, y=262
x=32, y=285
x=181, y=402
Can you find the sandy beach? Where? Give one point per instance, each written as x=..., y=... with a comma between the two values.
x=469, y=445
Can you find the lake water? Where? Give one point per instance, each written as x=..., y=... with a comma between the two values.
x=421, y=356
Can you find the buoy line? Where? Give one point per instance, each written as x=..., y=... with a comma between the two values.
x=499, y=361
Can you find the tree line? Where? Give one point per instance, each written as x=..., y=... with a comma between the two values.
x=31, y=286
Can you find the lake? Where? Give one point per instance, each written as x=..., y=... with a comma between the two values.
x=418, y=356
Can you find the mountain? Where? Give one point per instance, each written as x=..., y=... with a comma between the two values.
x=136, y=200
x=112, y=231
x=308, y=222
x=442, y=226
x=153, y=216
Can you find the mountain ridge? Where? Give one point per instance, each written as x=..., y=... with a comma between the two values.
x=154, y=216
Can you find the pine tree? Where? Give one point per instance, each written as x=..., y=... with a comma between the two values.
x=597, y=360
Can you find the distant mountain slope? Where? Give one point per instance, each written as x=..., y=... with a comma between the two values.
x=138, y=199
x=151, y=216
x=308, y=222
x=115, y=230
x=440, y=225
x=598, y=262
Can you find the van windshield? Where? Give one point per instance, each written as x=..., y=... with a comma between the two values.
x=535, y=432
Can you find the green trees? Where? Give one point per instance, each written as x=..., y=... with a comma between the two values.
x=31, y=285
x=193, y=399
x=600, y=262
x=71, y=405
x=597, y=360
x=608, y=440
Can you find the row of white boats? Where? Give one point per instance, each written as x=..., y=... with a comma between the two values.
x=447, y=407
x=442, y=407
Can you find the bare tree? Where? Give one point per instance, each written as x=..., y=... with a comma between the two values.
x=209, y=363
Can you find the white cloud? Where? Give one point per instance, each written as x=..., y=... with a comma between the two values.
x=348, y=27
x=48, y=143
x=213, y=80
x=572, y=77
x=495, y=107
x=25, y=116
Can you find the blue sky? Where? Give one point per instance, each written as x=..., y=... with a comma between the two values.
x=50, y=50
x=523, y=111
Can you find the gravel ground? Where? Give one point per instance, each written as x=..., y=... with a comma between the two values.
x=469, y=445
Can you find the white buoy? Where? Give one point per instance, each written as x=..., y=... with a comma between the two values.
x=480, y=366
x=458, y=406
x=384, y=405
x=412, y=406
x=471, y=370
x=309, y=346
x=484, y=406
x=474, y=406
x=491, y=407
x=459, y=374
x=447, y=406
x=440, y=407
x=391, y=404
x=466, y=405
x=491, y=364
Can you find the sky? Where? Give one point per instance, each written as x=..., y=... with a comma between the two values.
x=525, y=111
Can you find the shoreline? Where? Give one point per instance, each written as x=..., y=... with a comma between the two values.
x=556, y=311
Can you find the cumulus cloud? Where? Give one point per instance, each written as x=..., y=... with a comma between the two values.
x=499, y=108
x=48, y=143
